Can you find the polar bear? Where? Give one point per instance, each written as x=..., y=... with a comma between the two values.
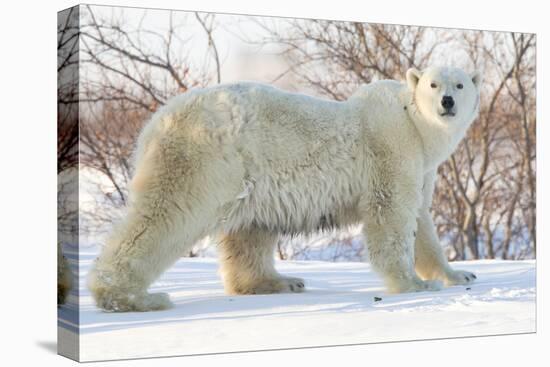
x=250, y=162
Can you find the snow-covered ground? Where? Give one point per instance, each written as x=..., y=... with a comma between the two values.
x=338, y=308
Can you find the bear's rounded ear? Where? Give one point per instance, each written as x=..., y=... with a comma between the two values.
x=413, y=76
x=476, y=78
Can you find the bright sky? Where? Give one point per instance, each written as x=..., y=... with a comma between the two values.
x=240, y=60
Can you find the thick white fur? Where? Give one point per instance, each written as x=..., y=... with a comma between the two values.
x=250, y=162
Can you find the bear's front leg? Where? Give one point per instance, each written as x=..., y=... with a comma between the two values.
x=431, y=263
x=430, y=260
x=390, y=228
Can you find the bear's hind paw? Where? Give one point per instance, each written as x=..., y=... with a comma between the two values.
x=132, y=302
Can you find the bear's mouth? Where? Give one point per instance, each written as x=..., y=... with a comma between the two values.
x=448, y=113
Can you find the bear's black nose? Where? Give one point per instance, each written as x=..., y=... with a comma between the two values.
x=447, y=102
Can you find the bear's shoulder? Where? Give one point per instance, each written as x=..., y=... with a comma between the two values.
x=387, y=90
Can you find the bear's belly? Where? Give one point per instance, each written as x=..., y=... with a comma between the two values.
x=291, y=209
x=294, y=225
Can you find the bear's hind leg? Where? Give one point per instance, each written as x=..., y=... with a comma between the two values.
x=161, y=225
x=141, y=249
x=247, y=264
x=128, y=265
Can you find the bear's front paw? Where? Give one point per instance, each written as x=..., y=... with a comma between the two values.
x=430, y=285
x=415, y=285
x=274, y=285
x=295, y=285
x=459, y=277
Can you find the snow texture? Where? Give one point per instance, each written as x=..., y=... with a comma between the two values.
x=345, y=303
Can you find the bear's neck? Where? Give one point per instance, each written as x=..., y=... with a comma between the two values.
x=439, y=139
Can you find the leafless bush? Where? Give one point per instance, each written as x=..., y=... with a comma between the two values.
x=334, y=58
x=129, y=72
x=67, y=125
x=486, y=195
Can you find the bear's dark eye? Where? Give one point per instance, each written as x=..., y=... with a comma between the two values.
x=433, y=85
x=459, y=86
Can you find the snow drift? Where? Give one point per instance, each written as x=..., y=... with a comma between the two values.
x=345, y=303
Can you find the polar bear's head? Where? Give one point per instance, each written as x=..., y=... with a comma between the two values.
x=445, y=95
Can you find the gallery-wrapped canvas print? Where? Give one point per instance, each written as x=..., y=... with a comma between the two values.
x=233, y=183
